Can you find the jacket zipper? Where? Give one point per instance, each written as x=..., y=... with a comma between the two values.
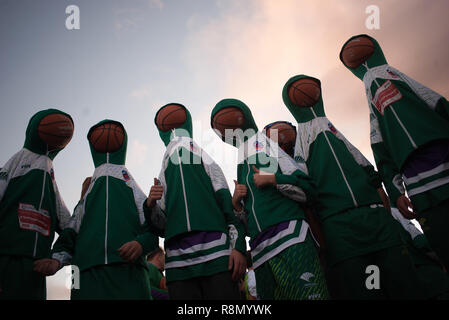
x=40, y=207
x=252, y=197
x=394, y=113
x=339, y=165
x=107, y=216
x=183, y=186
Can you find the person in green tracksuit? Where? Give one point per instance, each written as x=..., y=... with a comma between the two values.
x=107, y=237
x=31, y=211
x=360, y=234
x=269, y=187
x=409, y=138
x=191, y=207
x=429, y=266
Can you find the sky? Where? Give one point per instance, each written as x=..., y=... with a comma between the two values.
x=129, y=58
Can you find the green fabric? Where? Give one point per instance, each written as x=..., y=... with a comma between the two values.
x=18, y=281
x=399, y=279
x=113, y=282
x=293, y=274
x=198, y=270
x=155, y=275
x=405, y=125
x=35, y=187
x=359, y=231
x=434, y=222
x=188, y=183
x=265, y=206
x=330, y=161
x=107, y=217
x=32, y=140
x=27, y=189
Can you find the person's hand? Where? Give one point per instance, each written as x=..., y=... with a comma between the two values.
x=403, y=203
x=263, y=179
x=130, y=251
x=240, y=192
x=156, y=192
x=46, y=267
x=85, y=186
x=237, y=263
x=385, y=200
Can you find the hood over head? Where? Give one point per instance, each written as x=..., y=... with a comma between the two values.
x=33, y=142
x=185, y=130
x=118, y=157
x=249, y=126
x=303, y=114
x=377, y=58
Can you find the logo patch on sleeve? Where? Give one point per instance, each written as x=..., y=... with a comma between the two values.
x=35, y=220
x=385, y=95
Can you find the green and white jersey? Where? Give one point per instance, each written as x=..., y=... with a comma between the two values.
x=195, y=214
x=275, y=217
x=409, y=132
x=353, y=219
x=109, y=215
x=31, y=207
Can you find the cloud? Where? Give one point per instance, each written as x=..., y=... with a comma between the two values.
x=255, y=46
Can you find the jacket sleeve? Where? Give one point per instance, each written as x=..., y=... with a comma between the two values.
x=147, y=239
x=292, y=179
x=156, y=217
x=224, y=200
x=390, y=174
x=62, y=212
x=64, y=247
x=374, y=178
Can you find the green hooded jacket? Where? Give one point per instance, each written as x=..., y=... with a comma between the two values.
x=350, y=208
x=196, y=204
x=345, y=179
x=405, y=116
x=31, y=208
x=109, y=215
x=270, y=211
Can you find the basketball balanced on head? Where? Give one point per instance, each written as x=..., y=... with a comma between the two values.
x=304, y=92
x=170, y=117
x=107, y=137
x=56, y=130
x=357, y=51
x=228, y=118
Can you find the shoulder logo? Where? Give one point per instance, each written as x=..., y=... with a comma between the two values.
x=3, y=175
x=192, y=146
x=52, y=174
x=125, y=175
x=299, y=159
x=258, y=145
x=332, y=128
x=391, y=73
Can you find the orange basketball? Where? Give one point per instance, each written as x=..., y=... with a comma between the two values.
x=170, y=117
x=107, y=138
x=56, y=130
x=304, y=92
x=228, y=118
x=357, y=51
x=286, y=134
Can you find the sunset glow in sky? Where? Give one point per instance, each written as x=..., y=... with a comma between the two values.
x=131, y=57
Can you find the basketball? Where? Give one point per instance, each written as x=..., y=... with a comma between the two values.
x=304, y=92
x=107, y=138
x=228, y=118
x=357, y=51
x=56, y=130
x=285, y=133
x=170, y=117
